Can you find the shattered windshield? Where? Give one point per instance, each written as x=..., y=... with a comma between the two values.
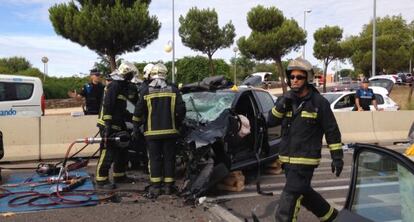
x=207, y=106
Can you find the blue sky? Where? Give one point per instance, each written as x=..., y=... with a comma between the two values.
x=25, y=29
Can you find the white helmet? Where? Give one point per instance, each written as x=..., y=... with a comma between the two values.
x=126, y=68
x=159, y=71
x=147, y=70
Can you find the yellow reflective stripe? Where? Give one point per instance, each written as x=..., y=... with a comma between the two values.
x=312, y=115
x=107, y=117
x=305, y=161
x=155, y=179
x=335, y=146
x=297, y=208
x=276, y=113
x=149, y=121
x=122, y=97
x=101, y=122
x=157, y=95
x=300, y=160
x=284, y=159
x=289, y=114
x=160, y=132
x=118, y=174
x=98, y=177
x=131, y=96
x=327, y=215
x=173, y=110
x=168, y=179
x=136, y=119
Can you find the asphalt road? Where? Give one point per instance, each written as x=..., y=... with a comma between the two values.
x=333, y=189
x=134, y=207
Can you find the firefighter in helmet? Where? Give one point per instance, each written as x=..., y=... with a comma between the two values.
x=111, y=120
x=305, y=117
x=161, y=109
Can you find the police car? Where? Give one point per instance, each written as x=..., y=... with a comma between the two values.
x=345, y=100
x=21, y=96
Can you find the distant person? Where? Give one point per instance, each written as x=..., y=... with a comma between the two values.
x=364, y=97
x=93, y=93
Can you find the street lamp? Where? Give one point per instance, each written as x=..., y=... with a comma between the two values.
x=374, y=21
x=304, y=28
x=44, y=60
x=235, y=49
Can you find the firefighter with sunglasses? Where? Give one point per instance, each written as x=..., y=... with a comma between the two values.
x=161, y=109
x=305, y=117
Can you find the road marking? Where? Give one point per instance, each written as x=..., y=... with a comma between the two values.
x=274, y=185
x=221, y=212
x=275, y=192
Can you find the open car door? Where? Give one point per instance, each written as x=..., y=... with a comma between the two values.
x=381, y=188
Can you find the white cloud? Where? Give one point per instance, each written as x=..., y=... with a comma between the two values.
x=67, y=58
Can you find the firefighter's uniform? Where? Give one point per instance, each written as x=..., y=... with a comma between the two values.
x=112, y=114
x=304, y=123
x=161, y=110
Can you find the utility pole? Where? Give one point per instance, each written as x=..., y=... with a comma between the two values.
x=374, y=21
x=304, y=28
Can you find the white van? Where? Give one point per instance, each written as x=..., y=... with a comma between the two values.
x=21, y=96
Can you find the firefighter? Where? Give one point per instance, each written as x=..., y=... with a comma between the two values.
x=161, y=109
x=305, y=116
x=111, y=120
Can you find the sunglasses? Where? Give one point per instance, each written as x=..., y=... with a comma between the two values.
x=298, y=77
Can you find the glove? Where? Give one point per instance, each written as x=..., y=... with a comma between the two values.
x=337, y=165
x=280, y=104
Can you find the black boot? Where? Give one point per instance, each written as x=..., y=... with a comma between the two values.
x=170, y=189
x=105, y=185
x=124, y=179
x=153, y=191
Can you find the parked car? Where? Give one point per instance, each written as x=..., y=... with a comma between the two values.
x=345, y=100
x=21, y=96
x=404, y=78
x=212, y=145
x=385, y=81
x=258, y=79
x=381, y=187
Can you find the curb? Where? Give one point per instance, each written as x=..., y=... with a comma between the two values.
x=224, y=214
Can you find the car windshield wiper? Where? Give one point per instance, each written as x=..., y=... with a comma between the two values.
x=195, y=109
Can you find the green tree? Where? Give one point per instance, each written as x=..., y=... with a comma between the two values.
x=392, y=42
x=109, y=28
x=199, y=30
x=328, y=47
x=244, y=66
x=104, y=64
x=272, y=37
x=15, y=64
x=195, y=68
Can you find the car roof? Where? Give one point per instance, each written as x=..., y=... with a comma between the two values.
x=17, y=78
x=375, y=89
x=389, y=77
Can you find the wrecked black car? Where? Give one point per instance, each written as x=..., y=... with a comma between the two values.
x=214, y=143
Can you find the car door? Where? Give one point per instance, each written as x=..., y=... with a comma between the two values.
x=345, y=103
x=266, y=103
x=381, y=187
